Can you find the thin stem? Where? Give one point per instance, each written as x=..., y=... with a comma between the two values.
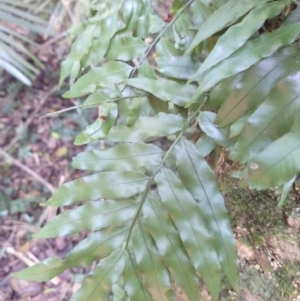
x=29, y=171
x=159, y=36
x=52, y=40
x=150, y=181
x=90, y=105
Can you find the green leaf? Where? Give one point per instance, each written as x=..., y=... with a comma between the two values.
x=106, y=185
x=257, y=83
x=200, y=12
x=191, y=225
x=118, y=291
x=44, y=271
x=224, y=16
x=205, y=145
x=137, y=107
x=112, y=72
x=133, y=282
x=218, y=3
x=182, y=32
x=88, y=217
x=108, y=24
x=123, y=104
x=125, y=156
x=200, y=181
x=80, y=47
x=97, y=285
x=263, y=46
x=125, y=48
x=221, y=91
x=165, y=48
x=164, y=89
x=277, y=163
x=108, y=94
x=167, y=241
x=181, y=67
x=148, y=23
x=154, y=274
x=177, y=4
x=130, y=12
x=97, y=98
x=237, y=35
x=272, y=119
x=145, y=128
x=96, y=246
x=100, y=128
x=237, y=127
x=158, y=105
x=206, y=122
x=147, y=71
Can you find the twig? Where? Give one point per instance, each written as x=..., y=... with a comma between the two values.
x=17, y=163
x=53, y=40
x=49, y=212
x=32, y=257
x=7, y=241
x=31, y=117
x=69, y=12
x=19, y=255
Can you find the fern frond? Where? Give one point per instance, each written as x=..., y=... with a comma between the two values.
x=156, y=217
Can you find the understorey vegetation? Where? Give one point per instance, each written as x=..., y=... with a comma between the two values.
x=212, y=75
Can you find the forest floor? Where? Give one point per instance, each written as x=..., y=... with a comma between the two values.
x=35, y=159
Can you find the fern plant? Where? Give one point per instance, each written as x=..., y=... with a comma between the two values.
x=226, y=75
